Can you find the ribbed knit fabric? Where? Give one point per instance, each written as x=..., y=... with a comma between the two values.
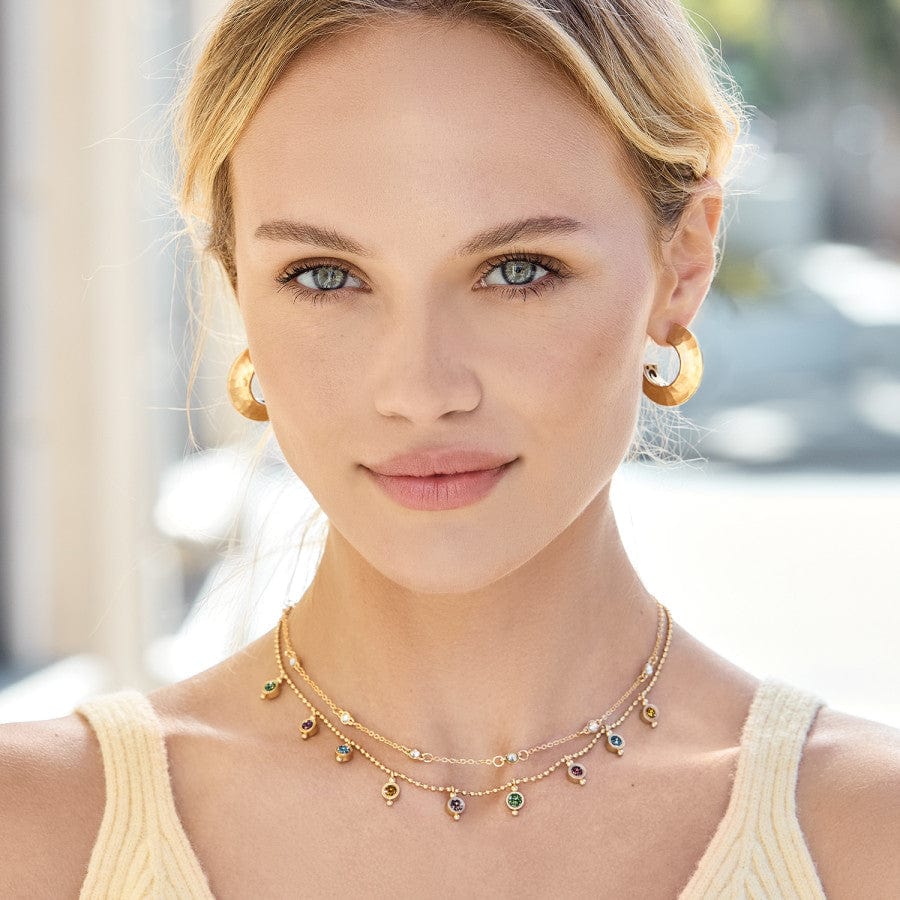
x=141, y=850
x=757, y=851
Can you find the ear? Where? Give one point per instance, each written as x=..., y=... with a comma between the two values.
x=689, y=258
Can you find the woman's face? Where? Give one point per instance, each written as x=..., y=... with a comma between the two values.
x=409, y=140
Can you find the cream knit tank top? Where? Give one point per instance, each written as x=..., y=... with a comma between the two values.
x=757, y=851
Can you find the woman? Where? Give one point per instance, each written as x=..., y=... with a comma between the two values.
x=452, y=229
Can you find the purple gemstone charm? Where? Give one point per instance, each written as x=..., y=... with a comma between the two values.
x=455, y=806
x=576, y=773
x=309, y=726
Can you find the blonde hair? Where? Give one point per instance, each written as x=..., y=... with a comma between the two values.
x=639, y=64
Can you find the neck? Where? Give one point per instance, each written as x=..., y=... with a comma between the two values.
x=530, y=657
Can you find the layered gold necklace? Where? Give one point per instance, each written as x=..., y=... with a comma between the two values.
x=597, y=728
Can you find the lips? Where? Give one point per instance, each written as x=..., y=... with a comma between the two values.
x=440, y=492
x=425, y=462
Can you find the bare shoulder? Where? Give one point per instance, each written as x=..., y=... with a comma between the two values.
x=848, y=804
x=51, y=782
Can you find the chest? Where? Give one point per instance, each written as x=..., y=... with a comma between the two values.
x=632, y=830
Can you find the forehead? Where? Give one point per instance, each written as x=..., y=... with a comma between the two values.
x=434, y=122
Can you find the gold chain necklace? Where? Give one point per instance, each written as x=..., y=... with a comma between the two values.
x=455, y=804
x=519, y=756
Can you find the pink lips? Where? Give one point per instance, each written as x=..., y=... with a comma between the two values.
x=440, y=479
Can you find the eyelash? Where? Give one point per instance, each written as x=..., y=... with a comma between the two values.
x=555, y=274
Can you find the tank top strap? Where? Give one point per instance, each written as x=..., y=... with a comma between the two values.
x=772, y=742
x=141, y=849
x=759, y=848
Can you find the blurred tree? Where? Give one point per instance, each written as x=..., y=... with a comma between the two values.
x=741, y=31
x=748, y=35
x=877, y=22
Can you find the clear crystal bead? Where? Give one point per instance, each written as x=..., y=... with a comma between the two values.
x=648, y=669
x=512, y=757
x=345, y=718
x=593, y=726
x=415, y=754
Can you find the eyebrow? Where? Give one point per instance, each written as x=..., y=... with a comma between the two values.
x=496, y=236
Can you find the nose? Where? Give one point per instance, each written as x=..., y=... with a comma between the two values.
x=424, y=367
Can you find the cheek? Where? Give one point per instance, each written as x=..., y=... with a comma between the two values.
x=298, y=356
x=587, y=380
x=309, y=374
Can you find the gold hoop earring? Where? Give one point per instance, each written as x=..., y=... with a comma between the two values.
x=239, y=391
x=690, y=370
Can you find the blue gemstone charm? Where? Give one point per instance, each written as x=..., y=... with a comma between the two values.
x=343, y=753
x=615, y=743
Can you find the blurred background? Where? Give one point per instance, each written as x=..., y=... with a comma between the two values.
x=134, y=552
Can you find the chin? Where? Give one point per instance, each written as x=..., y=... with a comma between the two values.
x=444, y=565
x=438, y=584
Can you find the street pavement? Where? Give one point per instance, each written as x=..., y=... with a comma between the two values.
x=794, y=575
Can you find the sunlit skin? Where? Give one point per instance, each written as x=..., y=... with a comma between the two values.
x=506, y=622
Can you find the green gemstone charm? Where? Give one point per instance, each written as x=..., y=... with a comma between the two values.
x=390, y=791
x=271, y=689
x=515, y=800
x=650, y=714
